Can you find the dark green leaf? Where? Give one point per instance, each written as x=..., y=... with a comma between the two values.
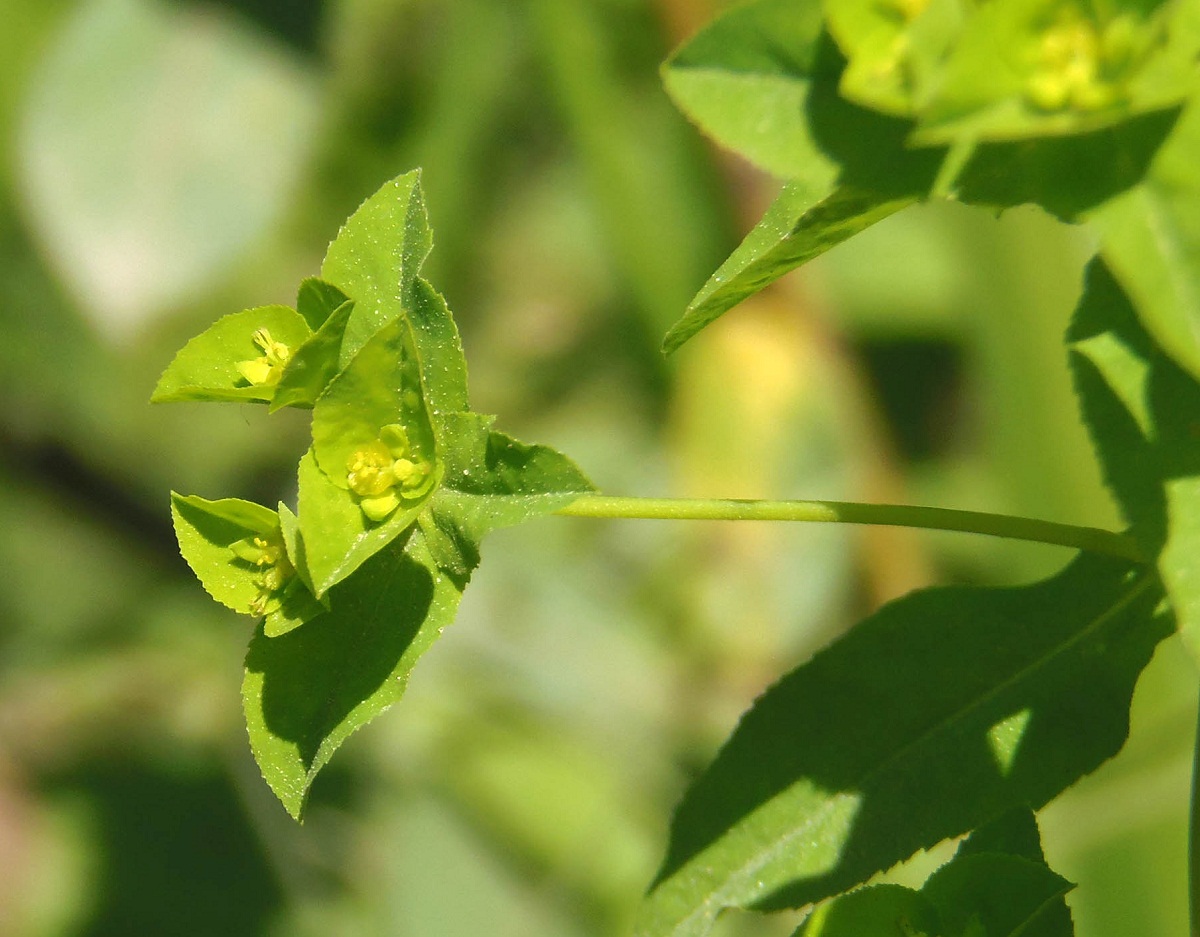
x=306, y=691
x=801, y=224
x=316, y=301
x=1140, y=408
x=996, y=895
x=206, y=368
x=940, y=711
x=314, y=364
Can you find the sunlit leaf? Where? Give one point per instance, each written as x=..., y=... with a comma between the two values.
x=207, y=367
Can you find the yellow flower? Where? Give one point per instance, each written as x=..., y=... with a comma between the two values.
x=267, y=368
x=267, y=553
x=386, y=472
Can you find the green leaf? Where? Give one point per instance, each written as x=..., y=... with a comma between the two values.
x=895, y=49
x=1150, y=239
x=314, y=364
x=1022, y=69
x=995, y=895
x=317, y=300
x=305, y=692
x=493, y=480
x=800, y=224
x=214, y=537
x=935, y=714
x=878, y=911
x=1140, y=409
x=745, y=79
x=1068, y=176
x=376, y=255
x=206, y=368
x=1013, y=833
x=443, y=366
x=335, y=536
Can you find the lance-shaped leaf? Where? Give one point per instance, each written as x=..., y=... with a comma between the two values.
x=927, y=719
x=239, y=357
x=305, y=692
x=237, y=550
x=376, y=255
x=1150, y=239
x=802, y=223
x=1140, y=408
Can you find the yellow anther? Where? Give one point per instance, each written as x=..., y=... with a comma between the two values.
x=369, y=471
x=268, y=368
x=268, y=554
x=385, y=471
x=1073, y=65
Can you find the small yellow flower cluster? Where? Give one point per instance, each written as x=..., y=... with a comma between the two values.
x=268, y=554
x=1078, y=64
x=267, y=368
x=386, y=471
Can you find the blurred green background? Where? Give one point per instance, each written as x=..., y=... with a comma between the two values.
x=165, y=163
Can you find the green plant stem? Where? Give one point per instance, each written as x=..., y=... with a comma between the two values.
x=1194, y=840
x=1092, y=539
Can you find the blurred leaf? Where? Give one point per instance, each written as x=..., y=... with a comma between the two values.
x=160, y=143
x=1140, y=407
x=1028, y=68
x=996, y=895
x=799, y=225
x=1151, y=242
x=746, y=78
x=827, y=780
x=206, y=368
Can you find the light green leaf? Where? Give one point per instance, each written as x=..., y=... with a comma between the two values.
x=306, y=691
x=935, y=714
x=206, y=368
x=443, y=366
x=1140, y=408
x=1150, y=239
x=214, y=537
x=802, y=223
x=314, y=364
x=335, y=536
x=317, y=300
x=746, y=78
x=878, y=911
x=376, y=255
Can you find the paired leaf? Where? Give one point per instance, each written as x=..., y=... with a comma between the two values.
x=217, y=538
x=935, y=714
x=206, y=368
x=317, y=300
x=1140, y=408
x=305, y=692
x=314, y=364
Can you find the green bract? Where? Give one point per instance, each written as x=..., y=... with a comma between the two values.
x=399, y=485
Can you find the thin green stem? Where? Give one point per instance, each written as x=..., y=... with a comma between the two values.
x=1092, y=539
